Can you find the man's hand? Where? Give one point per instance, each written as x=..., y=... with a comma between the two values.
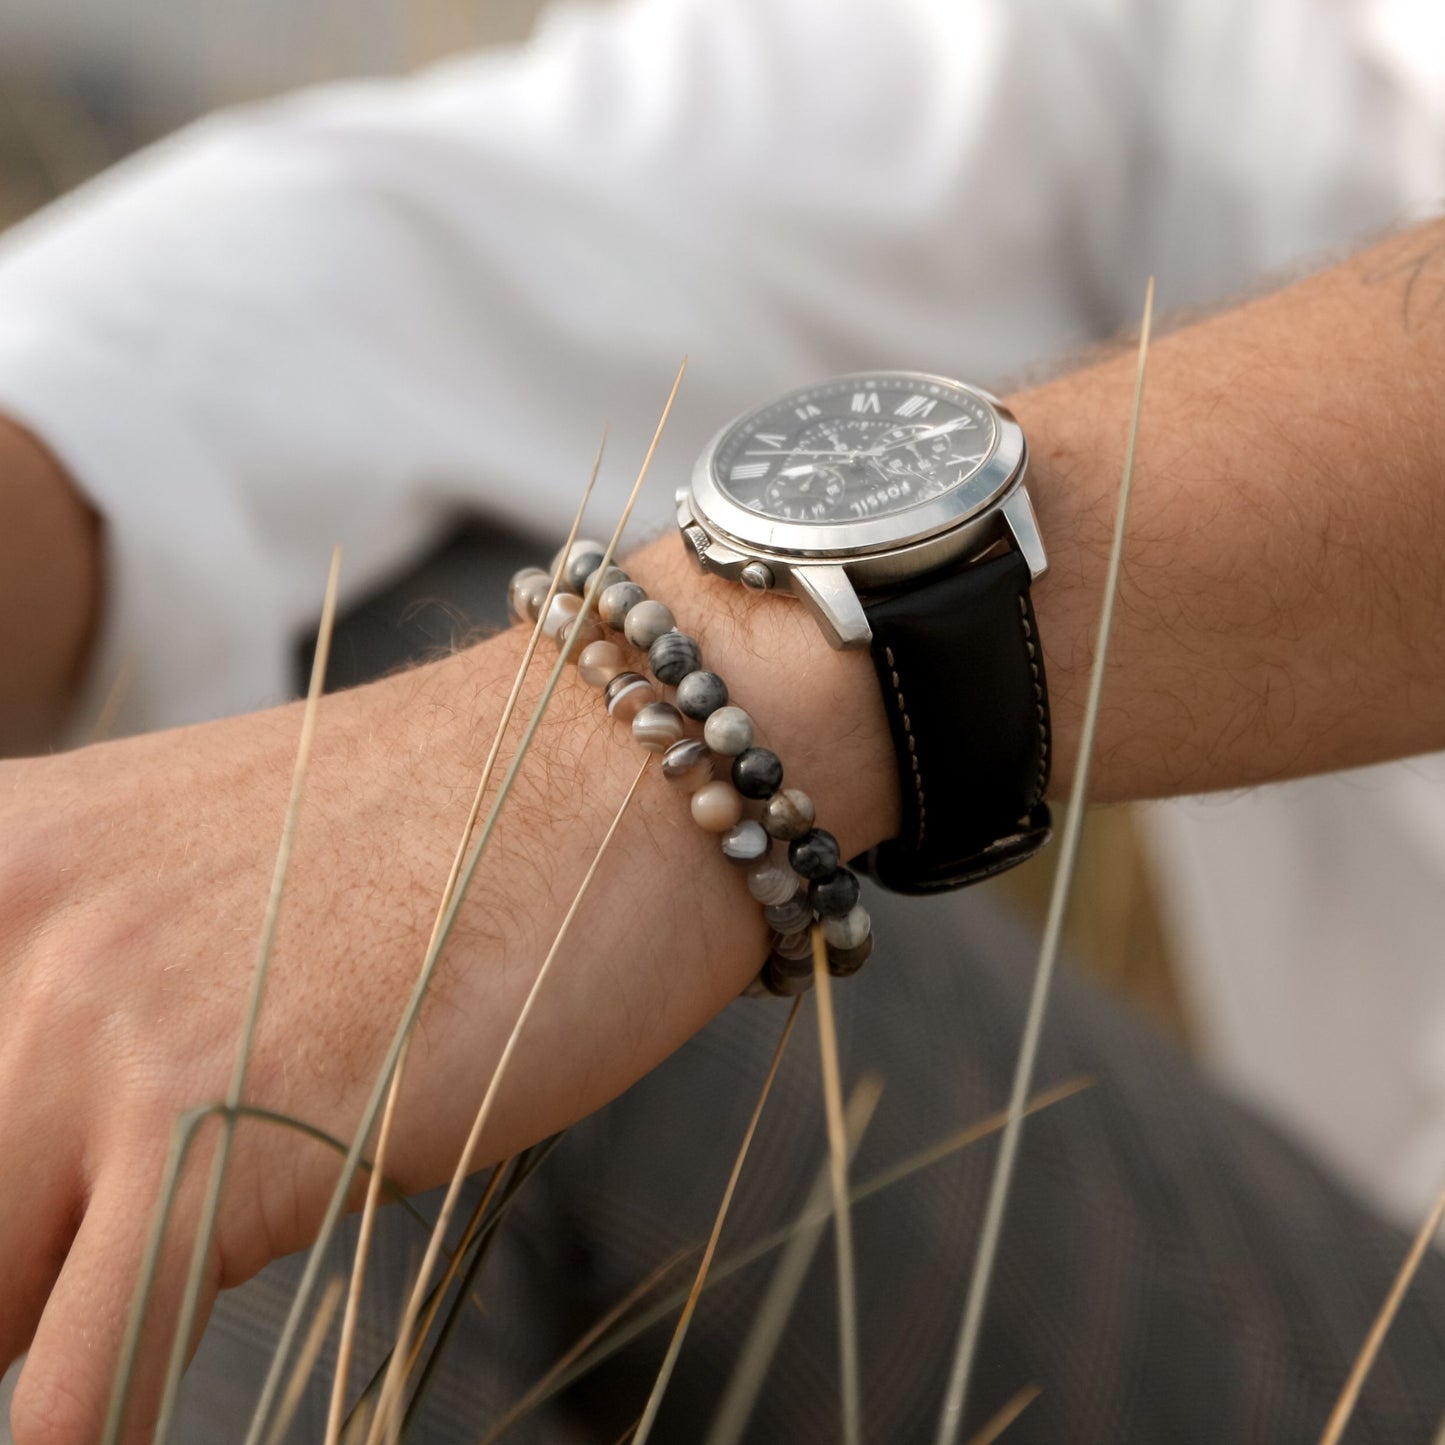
x=50, y=566
x=133, y=878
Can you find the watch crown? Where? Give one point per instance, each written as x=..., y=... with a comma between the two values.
x=758, y=576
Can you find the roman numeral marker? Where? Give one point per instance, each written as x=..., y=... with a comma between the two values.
x=807, y=413
x=865, y=401
x=915, y=406
x=746, y=471
x=772, y=438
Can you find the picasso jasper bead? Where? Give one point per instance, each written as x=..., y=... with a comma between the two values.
x=757, y=772
x=672, y=657
x=582, y=547
x=599, y=581
x=788, y=814
x=728, y=731
x=525, y=593
x=646, y=622
x=617, y=601
x=600, y=662
x=789, y=917
x=627, y=694
x=745, y=843
x=700, y=694
x=835, y=894
x=657, y=726
x=717, y=806
x=770, y=881
x=848, y=930
x=688, y=764
x=815, y=854
x=580, y=566
x=845, y=961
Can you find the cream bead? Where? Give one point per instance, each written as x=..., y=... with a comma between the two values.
x=717, y=806
x=600, y=662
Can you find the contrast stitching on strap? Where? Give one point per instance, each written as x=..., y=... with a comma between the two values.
x=1033, y=658
x=912, y=741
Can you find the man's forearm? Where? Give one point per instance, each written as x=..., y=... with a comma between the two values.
x=49, y=589
x=1282, y=608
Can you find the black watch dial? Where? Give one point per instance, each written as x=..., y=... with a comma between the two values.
x=855, y=448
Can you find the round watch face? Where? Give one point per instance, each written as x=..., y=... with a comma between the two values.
x=855, y=449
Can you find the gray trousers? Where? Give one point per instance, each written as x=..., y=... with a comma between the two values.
x=1171, y=1269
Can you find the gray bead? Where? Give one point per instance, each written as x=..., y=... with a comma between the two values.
x=582, y=547
x=788, y=814
x=580, y=566
x=672, y=657
x=700, y=694
x=835, y=894
x=618, y=600
x=848, y=930
x=646, y=622
x=757, y=773
x=789, y=917
x=746, y=843
x=729, y=731
x=815, y=854
x=609, y=578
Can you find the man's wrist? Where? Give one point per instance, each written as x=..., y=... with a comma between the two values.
x=817, y=707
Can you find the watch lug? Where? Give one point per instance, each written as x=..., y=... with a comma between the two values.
x=832, y=600
x=1018, y=515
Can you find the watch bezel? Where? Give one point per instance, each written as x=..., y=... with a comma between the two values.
x=835, y=541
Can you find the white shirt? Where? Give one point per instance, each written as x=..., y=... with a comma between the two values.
x=346, y=315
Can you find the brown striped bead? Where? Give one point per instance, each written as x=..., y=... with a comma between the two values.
x=627, y=694
x=688, y=764
x=657, y=726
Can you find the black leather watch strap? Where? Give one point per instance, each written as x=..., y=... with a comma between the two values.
x=963, y=684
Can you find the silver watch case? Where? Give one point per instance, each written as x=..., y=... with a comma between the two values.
x=833, y=567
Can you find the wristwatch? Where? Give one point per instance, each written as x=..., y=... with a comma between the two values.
x=893, y=504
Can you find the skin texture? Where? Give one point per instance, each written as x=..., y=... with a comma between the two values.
x=1281, y=612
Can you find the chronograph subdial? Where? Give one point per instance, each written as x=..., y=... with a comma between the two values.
x=805, y=491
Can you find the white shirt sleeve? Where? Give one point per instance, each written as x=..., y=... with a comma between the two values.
x=346, y=315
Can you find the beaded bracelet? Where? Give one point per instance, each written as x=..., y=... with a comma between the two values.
x=812, y=884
